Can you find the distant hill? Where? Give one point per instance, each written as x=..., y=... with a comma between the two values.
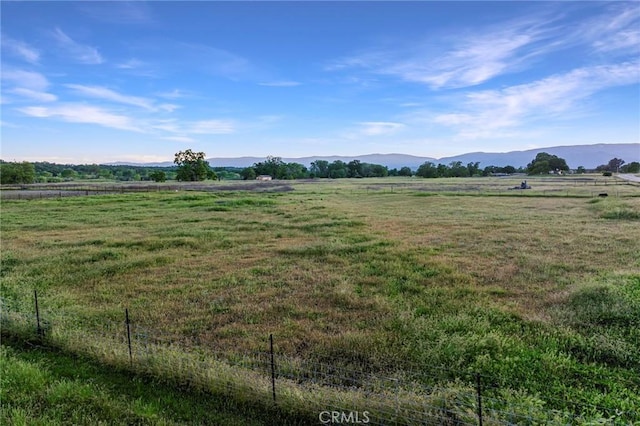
x=588, y=156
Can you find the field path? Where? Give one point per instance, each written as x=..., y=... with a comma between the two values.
x=629, y=177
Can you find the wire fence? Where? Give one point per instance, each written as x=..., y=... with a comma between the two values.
x=323, y=393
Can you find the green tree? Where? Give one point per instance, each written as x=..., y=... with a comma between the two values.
x=473, y=168
x=456, y=169
x=191, y=166
x=294, y=171
x=427, y=170
x=338, y=169
x=17, y=173
x=544, y=163
x=632, y=167
x=581, y=170
x=158, y=176
x=248, y=173
x=320, y=168
x=68, y=173
x=354, y=169
x=273, y=166
x=405, y=171
x=615, y=164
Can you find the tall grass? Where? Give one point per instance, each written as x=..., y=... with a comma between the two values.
x=354, y=274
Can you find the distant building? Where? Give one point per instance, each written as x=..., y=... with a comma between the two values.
x=263, y=177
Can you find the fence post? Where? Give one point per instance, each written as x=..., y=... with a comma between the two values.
x=479, y=395
x=273, y=370
x=40, y=331
x=126, y=313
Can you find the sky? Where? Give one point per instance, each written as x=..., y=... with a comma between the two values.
x=99, y=82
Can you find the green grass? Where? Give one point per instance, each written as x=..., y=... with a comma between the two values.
x=45, y=387
x=538, y=291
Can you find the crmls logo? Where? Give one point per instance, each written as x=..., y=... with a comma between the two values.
x=340, y=417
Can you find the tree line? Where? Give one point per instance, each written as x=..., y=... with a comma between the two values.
x=192, y=166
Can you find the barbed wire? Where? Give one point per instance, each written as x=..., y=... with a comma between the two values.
x=396, y=398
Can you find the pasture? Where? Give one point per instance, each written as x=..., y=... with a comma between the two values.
x=538, y=289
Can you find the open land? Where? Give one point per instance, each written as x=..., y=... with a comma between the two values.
x=537, y=289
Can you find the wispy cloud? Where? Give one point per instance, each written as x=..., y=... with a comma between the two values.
x=492, y=112
x=616, y=30
x=21, y=49
x=80, y=113
x=82, y=53
x=130, y=64
x=210, y=127
x=467, y=61
x=484, y=53
x=377, y=128
x=104, y=93
x=28, y=79
x=28, y=84
x=282, y=83
x=34, y=94
x=173, y=94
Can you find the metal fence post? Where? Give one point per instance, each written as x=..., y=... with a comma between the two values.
x=479, y=394
x=126, y=313
x=39, y=328
x=273, y=370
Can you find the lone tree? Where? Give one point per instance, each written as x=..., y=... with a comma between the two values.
x=615, y=164
x=192, y=166
x=544, y=163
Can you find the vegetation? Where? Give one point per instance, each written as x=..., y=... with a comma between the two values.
x=539, y=292
x=54, y=387
x=616, y=165
x=632, y=167
x=545, y=163
x=17, y=173
x=192, y=166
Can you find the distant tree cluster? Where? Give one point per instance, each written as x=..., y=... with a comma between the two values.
x=278, y=169
x=192, y=166
x=17, y=173
x=545, y=163
x=617, y=165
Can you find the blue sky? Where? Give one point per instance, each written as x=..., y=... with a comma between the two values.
x=86, y=82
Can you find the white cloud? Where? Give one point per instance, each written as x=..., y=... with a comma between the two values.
x=491, y=113
x=174, y=94
x=80, y=52
x=465, y=61
x=615, y=30
x=21, y=49
x=26, y=79
x=168, y=107
x=377, y=128
x=483, y=53
x=104, y=93
x=80, y=113
x=210, y=127
x=130, y=64
x=473, y=62
x=34, y=94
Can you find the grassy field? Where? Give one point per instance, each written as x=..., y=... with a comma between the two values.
x=538, y=290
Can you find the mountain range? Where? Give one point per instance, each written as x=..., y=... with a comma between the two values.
x=588, y=156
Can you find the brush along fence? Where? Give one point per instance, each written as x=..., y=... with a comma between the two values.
x=320, y=392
